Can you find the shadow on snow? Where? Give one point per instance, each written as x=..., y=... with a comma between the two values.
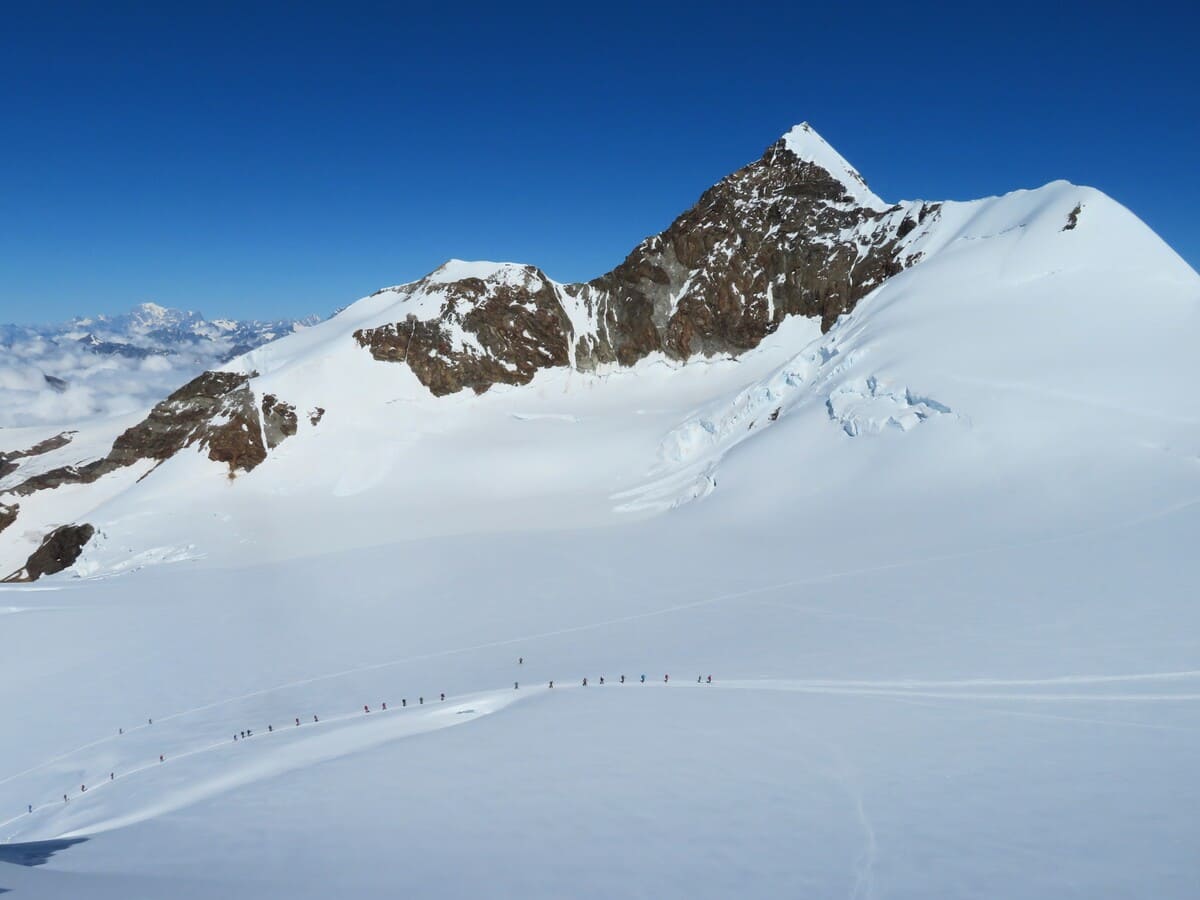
x=34, y=853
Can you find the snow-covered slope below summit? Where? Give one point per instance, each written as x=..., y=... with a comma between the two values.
x=1046, y=344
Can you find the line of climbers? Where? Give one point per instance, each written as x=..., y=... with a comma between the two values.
x=249, y=732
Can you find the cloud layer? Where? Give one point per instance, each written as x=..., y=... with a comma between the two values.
x=100, y=366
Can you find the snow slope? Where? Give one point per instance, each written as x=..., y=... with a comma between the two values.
x=938, y=561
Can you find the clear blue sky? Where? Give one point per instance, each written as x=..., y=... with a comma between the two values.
x=273, y=159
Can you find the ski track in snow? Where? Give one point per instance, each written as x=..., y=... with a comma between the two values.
x=1077, y=720
x=468, y=707
x=864, y=864
x=950, y=694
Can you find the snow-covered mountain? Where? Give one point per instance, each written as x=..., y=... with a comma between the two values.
x=917, y=483
x=756, y=282
x=105, y=365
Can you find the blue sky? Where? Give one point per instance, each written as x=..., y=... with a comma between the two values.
x=278, y=159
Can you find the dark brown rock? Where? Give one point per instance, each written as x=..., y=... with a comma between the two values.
x=763, y=244
x=1073, y=218
x=279, y=420
x=8, y=514
x=215, y=410
x=58, y=550
x=519, y=327
x=315, y=415
x=84, y=474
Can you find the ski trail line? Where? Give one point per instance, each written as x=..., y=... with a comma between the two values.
x=1002, y=682
x=837, y=691
x=1076, y=720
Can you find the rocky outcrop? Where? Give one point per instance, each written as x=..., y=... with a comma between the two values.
x=8, y=514
x=58, y=550
x=1073, y=218
x=784, y=236
x=496, y=330
x=215, y=411
x=84, y=474
x=315, y=415
x=8, y=459
x=279, y=420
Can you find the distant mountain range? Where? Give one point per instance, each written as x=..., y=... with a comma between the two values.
x=99, y=365
x=152, y=330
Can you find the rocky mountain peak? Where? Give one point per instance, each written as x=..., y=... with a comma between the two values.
x=805, y=145
x=797, y=232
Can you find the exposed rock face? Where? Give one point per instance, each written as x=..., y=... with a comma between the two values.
x=8, y=459
x=85, y=474
x=783, y=236
x=1073, y=218
x=59, y=550
x=502, y=329
x=8, y=515
x=215, y=410
x=780, y=237
x=279, y=420
x=315, y=415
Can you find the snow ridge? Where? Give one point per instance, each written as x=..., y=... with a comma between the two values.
x=810, y=147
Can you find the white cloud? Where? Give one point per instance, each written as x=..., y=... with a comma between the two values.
x=96, y=385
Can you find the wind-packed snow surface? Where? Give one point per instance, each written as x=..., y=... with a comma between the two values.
x=939, y=563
